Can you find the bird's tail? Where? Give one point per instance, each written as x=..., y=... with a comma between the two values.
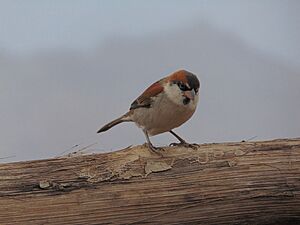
x=124, y=118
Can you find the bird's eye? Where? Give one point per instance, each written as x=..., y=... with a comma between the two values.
x=182, y=86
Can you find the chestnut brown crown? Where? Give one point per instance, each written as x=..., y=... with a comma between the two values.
x=185, y=77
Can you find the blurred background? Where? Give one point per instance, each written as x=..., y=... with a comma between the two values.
x=67, y=67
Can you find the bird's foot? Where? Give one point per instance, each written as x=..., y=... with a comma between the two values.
x=156, y=150
x=186, y=145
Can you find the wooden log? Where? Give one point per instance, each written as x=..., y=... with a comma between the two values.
x=227, y=183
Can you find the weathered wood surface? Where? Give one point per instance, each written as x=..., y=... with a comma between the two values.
x=228, y=183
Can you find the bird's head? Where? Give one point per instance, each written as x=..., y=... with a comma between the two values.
x=182, y=87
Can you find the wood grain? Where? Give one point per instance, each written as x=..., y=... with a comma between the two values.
x=227, y=183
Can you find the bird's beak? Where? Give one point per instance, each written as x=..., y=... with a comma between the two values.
x=189, y=94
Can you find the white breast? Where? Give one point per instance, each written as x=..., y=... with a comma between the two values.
x=166, y=113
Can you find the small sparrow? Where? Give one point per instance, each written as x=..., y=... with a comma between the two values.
x=165, y=105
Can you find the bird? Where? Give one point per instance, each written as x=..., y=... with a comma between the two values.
x=163, y=106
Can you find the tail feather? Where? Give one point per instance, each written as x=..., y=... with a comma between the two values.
x=115, y=122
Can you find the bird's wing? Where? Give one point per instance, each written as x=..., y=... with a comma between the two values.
x=145, y=99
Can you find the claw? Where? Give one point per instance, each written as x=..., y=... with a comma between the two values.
x=156, y=150
x=185, y=144
x=174, y=144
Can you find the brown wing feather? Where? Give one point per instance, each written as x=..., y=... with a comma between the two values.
x=145, y=99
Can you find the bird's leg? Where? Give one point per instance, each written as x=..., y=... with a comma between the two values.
x=150, y=145
x=179, y=138
x=182, y=142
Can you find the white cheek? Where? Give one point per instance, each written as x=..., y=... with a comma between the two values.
x=174, y=94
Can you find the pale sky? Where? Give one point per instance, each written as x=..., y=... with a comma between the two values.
x=67, y=67
x=26, y=26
